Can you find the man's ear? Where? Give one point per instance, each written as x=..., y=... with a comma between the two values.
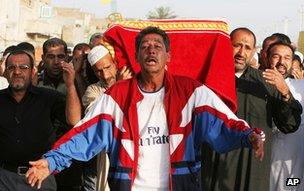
x=168, y=57
x=254, y=51
x=34, y=72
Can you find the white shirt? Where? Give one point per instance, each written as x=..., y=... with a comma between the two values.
x=3, y=83
x=287, y=158
x=153, y=161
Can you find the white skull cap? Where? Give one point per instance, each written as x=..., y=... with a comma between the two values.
x=300, y=55
x=96, y=54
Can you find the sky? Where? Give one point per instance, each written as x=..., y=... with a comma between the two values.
x=263, y=17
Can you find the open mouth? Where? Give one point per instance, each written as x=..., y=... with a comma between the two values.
x=281, y=68
x=151, y=61
x=239, y=59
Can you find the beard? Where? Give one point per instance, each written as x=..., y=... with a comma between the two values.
x=240, y=67
x=110, y=81
x=19, y=86
x=288, y=74
x=282, y=69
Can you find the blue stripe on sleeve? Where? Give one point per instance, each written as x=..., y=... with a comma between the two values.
x=82, y=146
x=213, y=130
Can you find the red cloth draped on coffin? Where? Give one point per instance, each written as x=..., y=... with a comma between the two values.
x=200, y=49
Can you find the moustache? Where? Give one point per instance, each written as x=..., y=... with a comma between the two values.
x=238, y=56
x=281, y=65
x=18, y=78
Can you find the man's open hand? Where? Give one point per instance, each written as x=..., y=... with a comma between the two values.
x=38, y=172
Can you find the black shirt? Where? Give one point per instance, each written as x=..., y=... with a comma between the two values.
x=26, y=128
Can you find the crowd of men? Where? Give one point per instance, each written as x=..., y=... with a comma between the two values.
x=151, y=130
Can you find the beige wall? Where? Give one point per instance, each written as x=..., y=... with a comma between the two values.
x=78, y=26
x=301, y=42
x=20, y=20
x=9, y=19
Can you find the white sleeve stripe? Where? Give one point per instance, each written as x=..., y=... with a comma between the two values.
x=203, y=96
x=105, y=104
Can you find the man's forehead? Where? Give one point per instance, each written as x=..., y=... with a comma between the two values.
x=152, y=37
x=78, y=52
x=18, y=58
x=280, y=48
x=242, y=36
x=104, y=62
x=55, y=48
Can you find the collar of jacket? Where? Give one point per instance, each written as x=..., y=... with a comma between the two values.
x=137, y=96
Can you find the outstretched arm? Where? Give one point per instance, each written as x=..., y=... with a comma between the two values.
x=217, y=125
x=93, y=134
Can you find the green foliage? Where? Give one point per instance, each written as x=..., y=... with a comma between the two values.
x=161, y=13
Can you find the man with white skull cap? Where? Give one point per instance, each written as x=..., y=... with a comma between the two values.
x=105, y=69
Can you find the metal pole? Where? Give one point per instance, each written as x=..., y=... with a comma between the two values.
x=302, y=18
x=113, y=6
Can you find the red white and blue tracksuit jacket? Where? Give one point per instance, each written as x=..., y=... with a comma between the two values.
x=194, y=115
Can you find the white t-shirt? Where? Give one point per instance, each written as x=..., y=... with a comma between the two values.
x=153, y=161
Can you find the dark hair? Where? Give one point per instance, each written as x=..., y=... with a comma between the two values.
x=26, y=46
x=297, y=57
x=282, y=37
x=279, y=43
x=245, y=30
x=9, y=49
x=267, y=39
x=81, y=46
x=91, y=77
x=95, y=36
x=52, y=42
x=151, y=30
x=17, y=51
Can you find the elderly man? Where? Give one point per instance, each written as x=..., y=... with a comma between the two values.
x=106, y=71
x=152, y=127
x=26, y=121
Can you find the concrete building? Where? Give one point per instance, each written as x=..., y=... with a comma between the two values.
x=26, y=20
x=301, y=42
x=78, y=26
x=35, y=21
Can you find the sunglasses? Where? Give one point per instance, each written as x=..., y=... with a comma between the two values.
x=22, y=67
